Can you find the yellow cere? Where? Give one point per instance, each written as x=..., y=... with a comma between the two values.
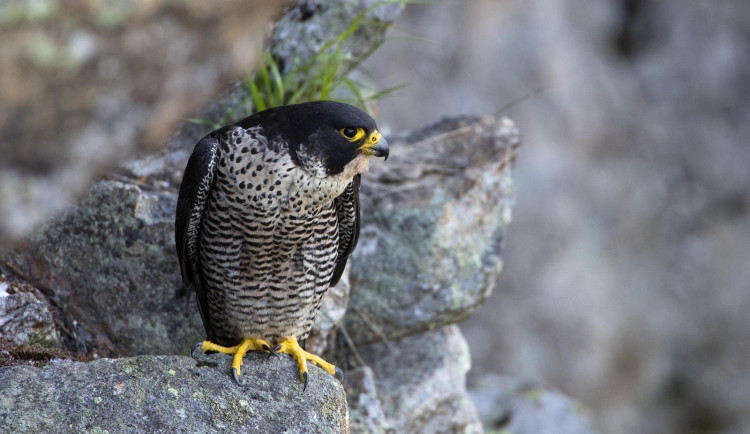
x=374, y=137
x=371, y=141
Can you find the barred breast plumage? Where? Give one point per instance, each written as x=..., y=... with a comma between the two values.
x=269, y=240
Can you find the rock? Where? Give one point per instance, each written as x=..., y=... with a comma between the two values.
x=24, y=316
x=111, y=267
x=170, y=394
x=420, y=382
x=87, y=84
x=433, y=222
x=365, y=411
x=510, y=405
x=326, y=19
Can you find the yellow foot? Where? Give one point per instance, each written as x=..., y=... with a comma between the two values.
x=239, y=351
x=291, y=347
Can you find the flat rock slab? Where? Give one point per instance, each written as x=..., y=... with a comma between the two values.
x=170, y=394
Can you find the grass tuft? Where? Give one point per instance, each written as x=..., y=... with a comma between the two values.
x=327, y=75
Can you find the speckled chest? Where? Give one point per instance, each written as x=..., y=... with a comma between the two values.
x=258, y=177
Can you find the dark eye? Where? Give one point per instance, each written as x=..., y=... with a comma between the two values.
x=352, y=134
x=349, y=132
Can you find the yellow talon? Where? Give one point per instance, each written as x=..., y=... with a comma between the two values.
x=287, y=346
x=239, y=351
x=291, y=346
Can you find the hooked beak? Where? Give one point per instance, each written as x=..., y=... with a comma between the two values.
x=375, y=145
x=380, y=149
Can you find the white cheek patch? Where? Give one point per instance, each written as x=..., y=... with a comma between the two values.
x=359, y=164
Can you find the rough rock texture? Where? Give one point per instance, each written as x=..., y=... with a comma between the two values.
x=420, y=382
x=324, y=18
x=24, y=315
x=85, y=84
x=433, y=223
x=507, y=404
x=365, y=410
x=170, y=394
x=110, y=263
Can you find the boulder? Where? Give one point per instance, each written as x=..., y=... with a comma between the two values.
x=433, y=223
x=25, y=315
x=420, y=382
x=170, y=394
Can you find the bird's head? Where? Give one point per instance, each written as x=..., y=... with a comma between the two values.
x=330, y=138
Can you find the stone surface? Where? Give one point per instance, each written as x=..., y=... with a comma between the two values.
x=365, y=410
x=24, y=315
x=511, y=405
x=170, y=394
x=433, y=222
x=420, y=382
x=326, y=19
x=111, y=266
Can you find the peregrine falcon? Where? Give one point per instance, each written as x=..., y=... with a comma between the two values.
x=267, y=216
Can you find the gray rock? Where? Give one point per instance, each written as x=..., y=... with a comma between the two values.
x=420, y=382
x=433, y=222
x=365, y=411
x=326, y=19
x=510, y=405
x=25, y=318
x=170, y=394
x=110, y=265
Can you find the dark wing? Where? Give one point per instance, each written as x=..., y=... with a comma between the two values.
x=191, y=205
x=347, y=210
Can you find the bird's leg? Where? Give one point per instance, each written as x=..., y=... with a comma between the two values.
x=291, y=346
x=238, y=351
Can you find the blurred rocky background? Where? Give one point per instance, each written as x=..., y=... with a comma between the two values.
x=626, y=281
x=76, y=75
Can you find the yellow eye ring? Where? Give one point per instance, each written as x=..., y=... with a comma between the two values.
x=352, y=134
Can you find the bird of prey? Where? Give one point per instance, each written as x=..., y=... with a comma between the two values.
x=267, y=216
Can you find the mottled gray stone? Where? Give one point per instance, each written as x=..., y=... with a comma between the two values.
x=170, y=394
x=434, y=219
x=111, y=268
x=420, y=382
x=365, y=411
x=304, y=30
x=24, y=317
x=511, y=405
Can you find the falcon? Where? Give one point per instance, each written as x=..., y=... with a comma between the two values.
x=267, y=216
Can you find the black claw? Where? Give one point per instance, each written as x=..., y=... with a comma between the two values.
x=236, y=376
x=195, y=347
x=304, y=377
x=339, y=374
x=271, y=351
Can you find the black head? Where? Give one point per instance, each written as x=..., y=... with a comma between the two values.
x=326, y=132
